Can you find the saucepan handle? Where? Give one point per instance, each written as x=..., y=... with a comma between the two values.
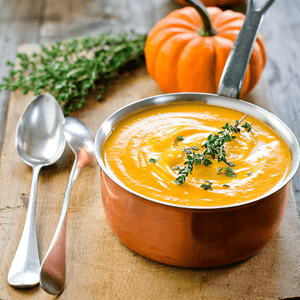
x=232, y=78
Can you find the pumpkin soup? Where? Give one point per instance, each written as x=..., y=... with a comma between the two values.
x=196, y=155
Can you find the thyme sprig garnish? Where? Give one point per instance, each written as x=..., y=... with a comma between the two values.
x=247, y=126
x=227, y=171
x=215, y=149
x=68, y=70
x=153, y=160
x=207, y=185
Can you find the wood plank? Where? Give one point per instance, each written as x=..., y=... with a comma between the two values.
x=282, y=70
x=99, y=266
x=68, y=19
x=19, y=24
x=48, y=21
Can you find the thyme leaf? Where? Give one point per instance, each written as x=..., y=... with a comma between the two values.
x=214, y=148
x=230, y=172
x=207, y=186
x=68, y=70
x=247, y=126
x=153, y=160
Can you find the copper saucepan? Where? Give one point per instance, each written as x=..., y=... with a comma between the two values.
x=197, y=236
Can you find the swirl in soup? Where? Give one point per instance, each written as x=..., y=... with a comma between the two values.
x=147, y=150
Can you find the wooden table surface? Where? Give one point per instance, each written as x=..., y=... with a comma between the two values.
x=46, y=21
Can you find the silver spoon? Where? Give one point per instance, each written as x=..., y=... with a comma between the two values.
x=53, y=269
x=40, y=142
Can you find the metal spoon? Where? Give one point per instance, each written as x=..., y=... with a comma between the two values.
x=40, y=142
x=53, y=269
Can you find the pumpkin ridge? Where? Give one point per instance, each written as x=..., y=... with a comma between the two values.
x=199, y=8
x=191, y=76
x=189, y=14
x=237, y=24
x=151, y=50
x=165, y=56
x=253, y=75
x=229, y=30
x=221, y=56
x=260, y=42
x=229, y=14
x=231, y=37
x=230, y=34
x=182, y=24
x=186, y=11
x=214, y=12
x=172, y=23
x=257, y=64
x=229, y=17
x=177, y=63
x=215, y=81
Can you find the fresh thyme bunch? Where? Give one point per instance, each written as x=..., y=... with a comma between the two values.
x=69, y=69
x=214, y=147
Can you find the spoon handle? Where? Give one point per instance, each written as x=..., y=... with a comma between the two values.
x=24, y=270
x=53, y=268
x=233, y=75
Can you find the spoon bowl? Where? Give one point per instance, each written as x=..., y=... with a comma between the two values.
x=53, y=269
x=39, y=137
x=39, y=142
x=79, y=137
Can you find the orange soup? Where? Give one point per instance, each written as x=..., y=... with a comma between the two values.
x=147, y=150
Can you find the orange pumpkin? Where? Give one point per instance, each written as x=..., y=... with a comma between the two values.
x=216, y=2
x=185, y=54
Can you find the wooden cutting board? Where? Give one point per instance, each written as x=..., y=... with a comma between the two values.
x=99, y=266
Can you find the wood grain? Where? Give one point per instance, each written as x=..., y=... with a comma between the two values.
x=282, y=71
x=19, y=23
x=46, y=21
x=99, y=266
x=66, y=19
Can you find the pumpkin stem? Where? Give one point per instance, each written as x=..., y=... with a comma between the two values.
x=207, y=29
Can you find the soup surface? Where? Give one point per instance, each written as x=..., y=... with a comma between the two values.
x=146, y=152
